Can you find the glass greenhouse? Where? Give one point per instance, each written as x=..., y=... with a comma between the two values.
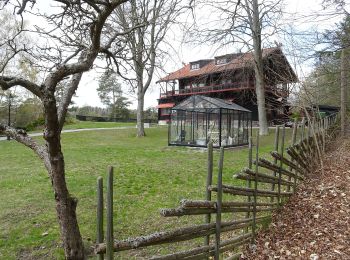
x=200, y=119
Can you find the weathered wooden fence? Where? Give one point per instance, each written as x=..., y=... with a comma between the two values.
x=269, y=183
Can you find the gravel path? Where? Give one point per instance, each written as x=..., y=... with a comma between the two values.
x=78, y=130
x=315, y=223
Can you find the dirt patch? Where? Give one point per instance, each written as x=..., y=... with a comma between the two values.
x=315, y=223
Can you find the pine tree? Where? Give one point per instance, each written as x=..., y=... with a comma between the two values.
x=111, y=94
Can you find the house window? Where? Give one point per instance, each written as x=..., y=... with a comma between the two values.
x=221, y=61
x=165, y=111
x=280, y=111
x=226, y=81
x=198, y=84
x=195, y=66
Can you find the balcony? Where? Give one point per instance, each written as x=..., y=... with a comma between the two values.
x=205, y=89
x=237, y=86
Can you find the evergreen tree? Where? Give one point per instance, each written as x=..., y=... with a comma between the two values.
x=111, y=95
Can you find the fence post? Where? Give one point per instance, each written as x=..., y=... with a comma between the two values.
x=255, y=186
x=277, y=136
x=308, y=143
x=294, y=136
x=281, y=165
x=250, y=153
x=319, y=125
x=99, y=235
x=324, y=135
x=302, y=128
x=109, y=235
x=249, y=182
x=209, y=182
x=218, y=206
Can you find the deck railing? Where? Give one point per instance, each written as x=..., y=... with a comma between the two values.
x=219, y=88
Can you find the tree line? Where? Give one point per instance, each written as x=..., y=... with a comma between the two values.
x=27, y=113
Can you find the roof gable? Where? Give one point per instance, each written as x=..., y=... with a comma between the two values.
x=235, y=61
x=204, y=103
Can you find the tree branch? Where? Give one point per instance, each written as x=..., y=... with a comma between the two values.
x=67, y=98
x=22, y=137
x=65, y=70
x=8, y=82
x=22, y=7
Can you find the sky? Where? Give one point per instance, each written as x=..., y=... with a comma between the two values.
x=87, y=94
x=300, y=16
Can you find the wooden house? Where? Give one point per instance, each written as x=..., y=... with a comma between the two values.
x=230, y=77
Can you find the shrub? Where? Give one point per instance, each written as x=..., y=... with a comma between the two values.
x=70, y=120
x=38, y=123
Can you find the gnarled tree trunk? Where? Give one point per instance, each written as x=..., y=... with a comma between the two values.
x=67, y=64
x=65, y=203
x=66, y=211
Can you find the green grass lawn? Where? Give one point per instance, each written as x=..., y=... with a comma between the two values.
x=149, y=175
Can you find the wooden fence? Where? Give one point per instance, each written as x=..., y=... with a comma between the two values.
x=269, y=183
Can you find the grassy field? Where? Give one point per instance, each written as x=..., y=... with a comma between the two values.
x=149, y=175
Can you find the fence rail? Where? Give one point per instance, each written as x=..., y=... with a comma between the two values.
x=264, y=192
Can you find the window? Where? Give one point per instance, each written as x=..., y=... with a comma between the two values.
x=226, y=81
x=221, y=61
x=198, y=84
x=195, y=66
x=280, y=111
x=165, y=111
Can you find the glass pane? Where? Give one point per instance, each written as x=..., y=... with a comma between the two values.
x=213, y=129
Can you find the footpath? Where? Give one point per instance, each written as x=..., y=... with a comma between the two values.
x=315, y=222
x=77, y=130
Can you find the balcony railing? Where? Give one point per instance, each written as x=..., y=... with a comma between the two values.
x=211, y=88
x=219, y=88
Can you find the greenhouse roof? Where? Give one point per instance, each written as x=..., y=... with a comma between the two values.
x=203, y=103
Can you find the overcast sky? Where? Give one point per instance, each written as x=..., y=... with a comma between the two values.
x=297, y=9
x=87, y=95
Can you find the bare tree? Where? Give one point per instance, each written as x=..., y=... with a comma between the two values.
x=77, y=34
x=255, y=24
x=338, y=39
x=144, y=43
x=344, y=83
x=337, y=42
x=245, y=24
x=344, y=38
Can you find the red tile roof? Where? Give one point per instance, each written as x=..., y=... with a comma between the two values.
x=166, y=105
x=241, y=61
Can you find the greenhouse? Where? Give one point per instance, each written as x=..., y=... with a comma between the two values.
x=200, y=119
